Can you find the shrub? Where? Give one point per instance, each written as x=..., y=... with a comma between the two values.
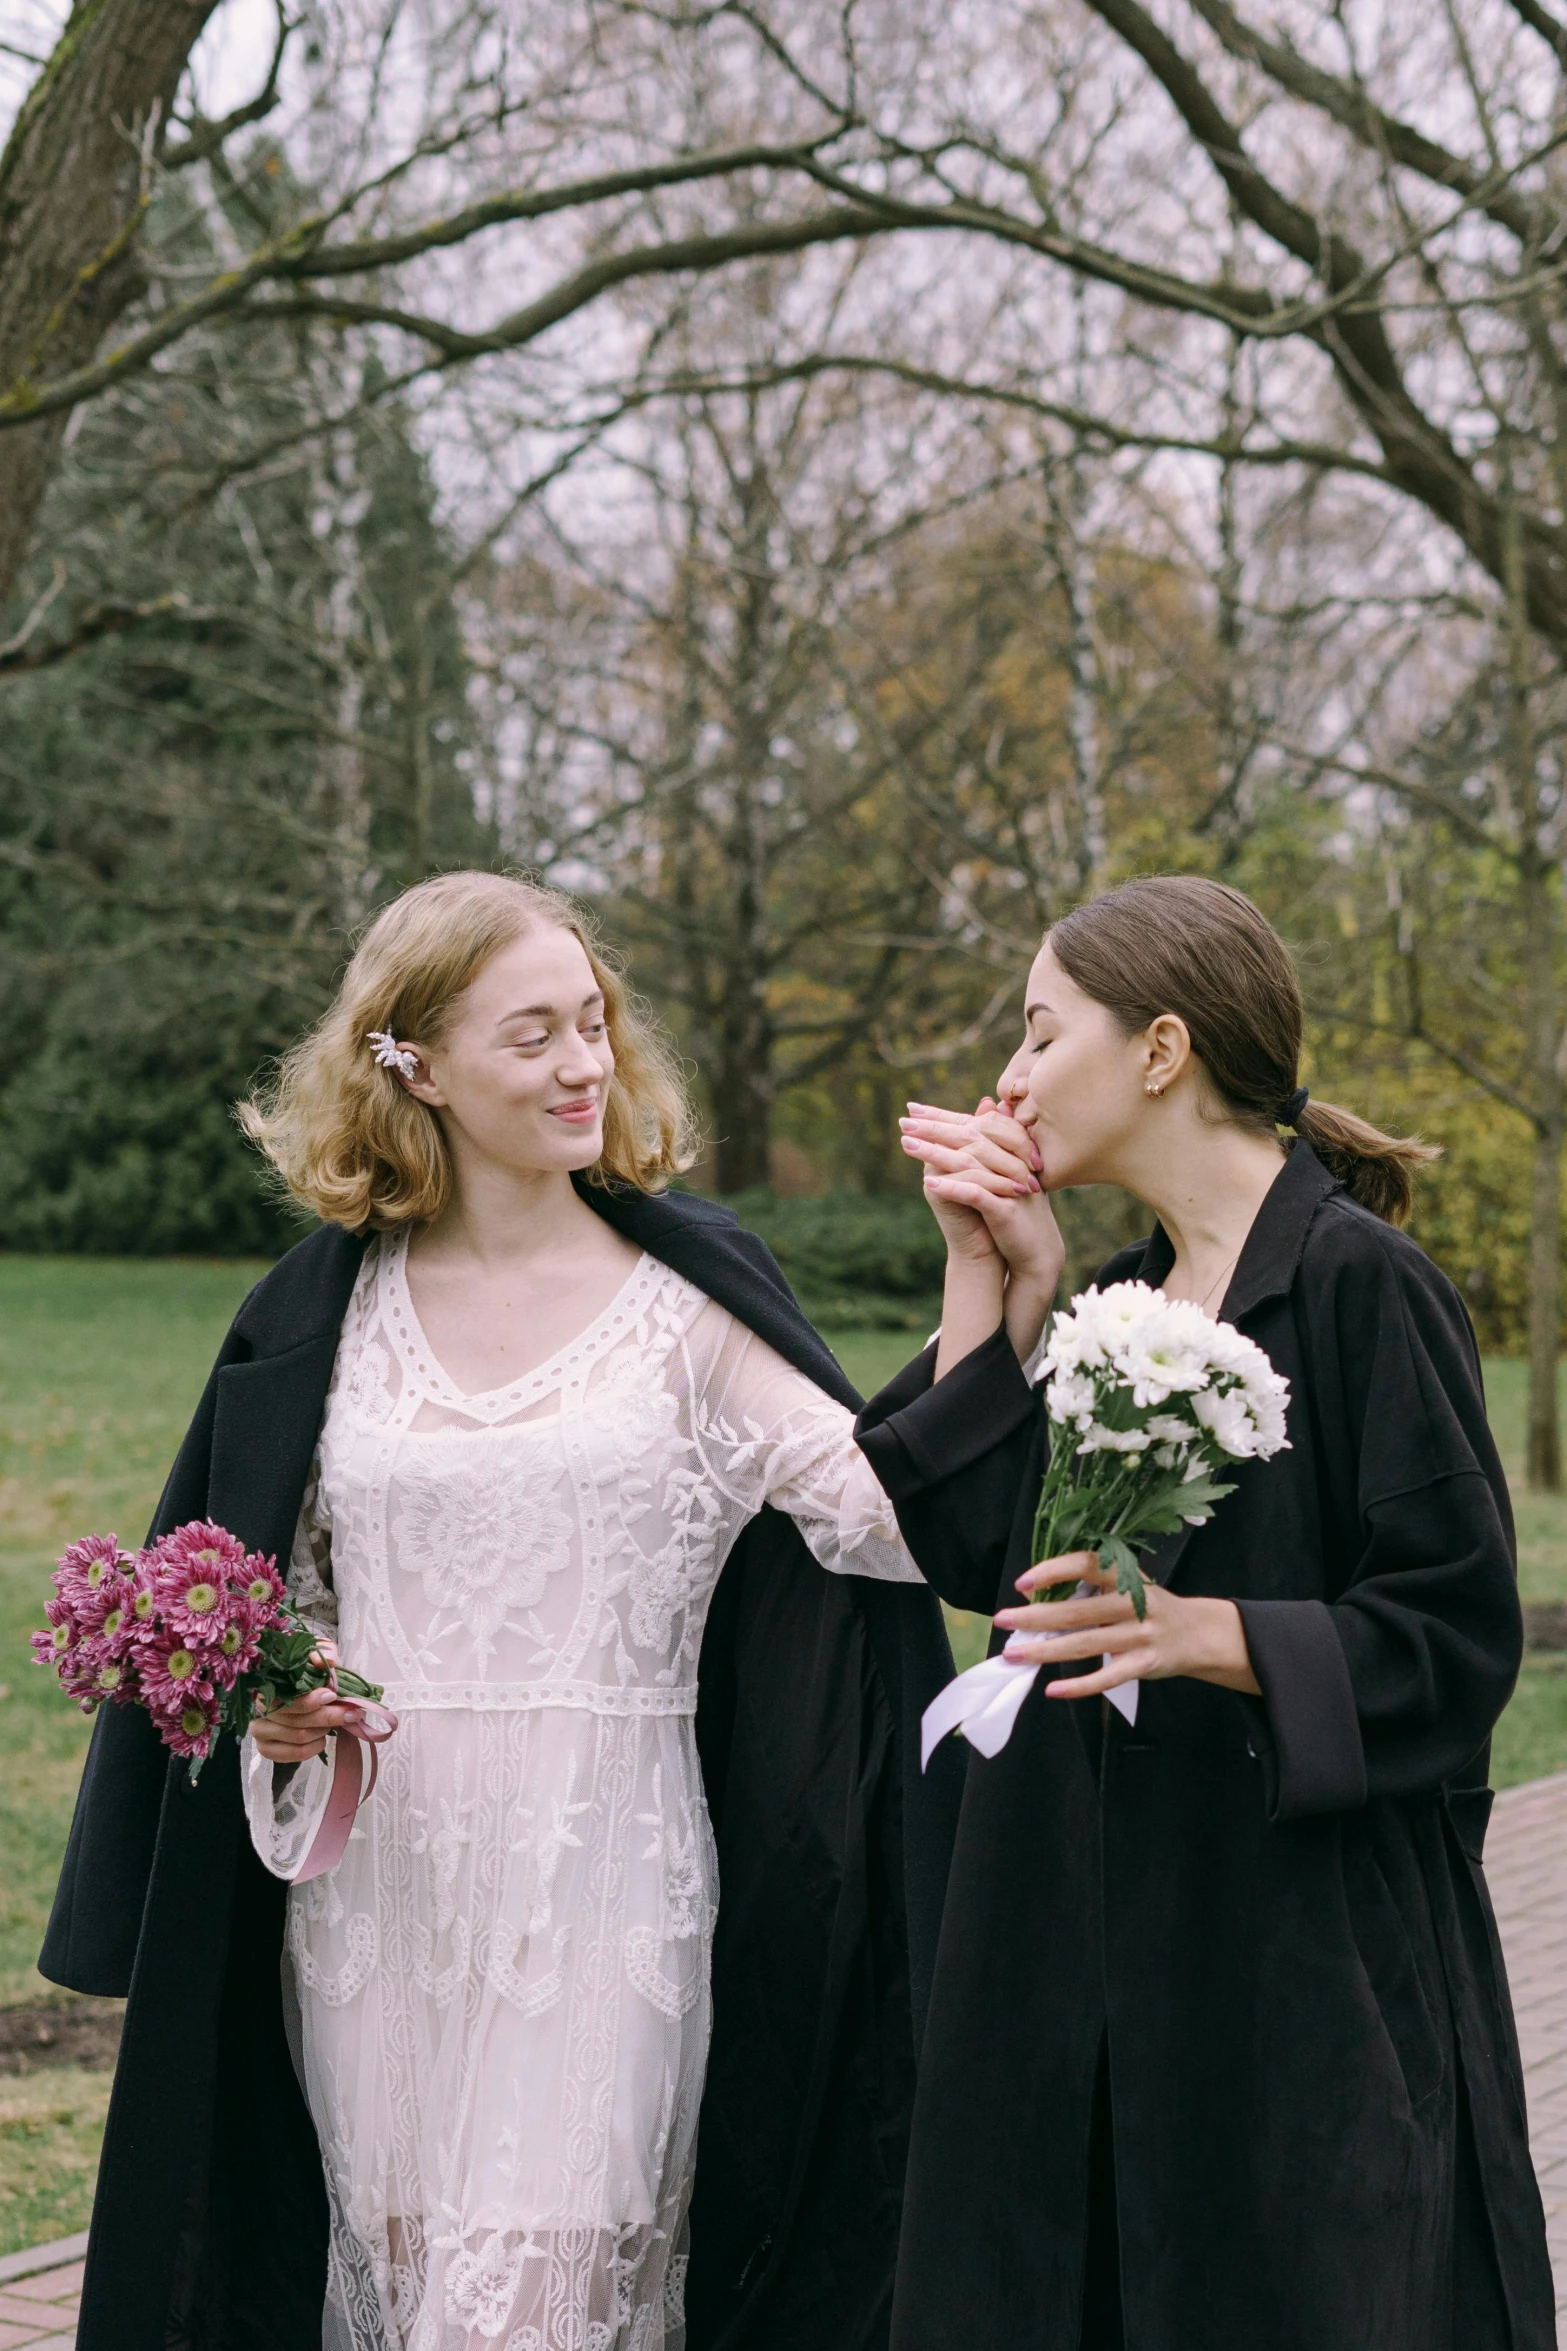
x=876, y=1261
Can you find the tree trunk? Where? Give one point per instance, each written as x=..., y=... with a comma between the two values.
x=338, y=509
x=1545, y=1205
x=1545, y=1465
x=1538, y=885
x=1072, y=559
x=743, y=1104
x=74, y=180
x=743, y=1084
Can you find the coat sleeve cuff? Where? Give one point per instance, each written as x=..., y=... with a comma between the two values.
x=917, y=1431
x=1319, y=1759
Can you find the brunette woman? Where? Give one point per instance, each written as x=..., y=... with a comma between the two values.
x=1220, y=2052
x=511, y=1410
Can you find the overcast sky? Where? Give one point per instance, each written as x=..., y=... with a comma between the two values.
x=230, y=60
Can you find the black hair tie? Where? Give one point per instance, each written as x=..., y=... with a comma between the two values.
x=1289, y=1116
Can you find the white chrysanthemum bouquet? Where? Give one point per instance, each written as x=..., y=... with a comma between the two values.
x=1148, y=1398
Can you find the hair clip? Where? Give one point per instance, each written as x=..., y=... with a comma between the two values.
x=391, y=1055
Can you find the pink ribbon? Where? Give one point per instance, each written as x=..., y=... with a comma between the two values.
x=352, y=1784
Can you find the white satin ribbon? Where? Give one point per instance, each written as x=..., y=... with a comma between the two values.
x=984, y=1703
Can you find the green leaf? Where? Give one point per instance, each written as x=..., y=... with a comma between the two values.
x=1165, y=1512
x=1129, y=1578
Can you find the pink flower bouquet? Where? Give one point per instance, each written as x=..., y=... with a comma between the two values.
x=194, y=1628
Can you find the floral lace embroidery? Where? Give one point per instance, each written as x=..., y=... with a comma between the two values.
x=504, y=1984
x=484, y=1544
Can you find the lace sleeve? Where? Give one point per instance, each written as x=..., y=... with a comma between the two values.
x=284, y=1802
x=310, y=1562
x=768, y=1434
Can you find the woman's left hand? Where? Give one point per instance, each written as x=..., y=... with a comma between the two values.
x=1181, y=1634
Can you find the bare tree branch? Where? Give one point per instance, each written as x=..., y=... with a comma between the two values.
x=1351, y=107
x=19, y=657
x=207, y=137
x=1550, y=28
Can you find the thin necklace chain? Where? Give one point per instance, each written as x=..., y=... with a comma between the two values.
x=1202, y=1302
x=1228, y=1267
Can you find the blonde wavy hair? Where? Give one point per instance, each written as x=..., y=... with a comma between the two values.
x=355, y=1149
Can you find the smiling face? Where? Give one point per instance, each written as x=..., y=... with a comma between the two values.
x=1079, y=1081
x=521, y=1075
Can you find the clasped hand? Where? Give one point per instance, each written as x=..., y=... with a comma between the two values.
x=982, y=1181
x=1181, y=1634
x=295, y=1732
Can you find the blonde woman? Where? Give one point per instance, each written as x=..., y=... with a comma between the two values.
x=509, y=1412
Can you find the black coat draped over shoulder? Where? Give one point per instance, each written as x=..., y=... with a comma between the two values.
x=1268, y=1915
x=210, y=2227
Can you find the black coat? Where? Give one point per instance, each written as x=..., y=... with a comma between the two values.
x=210, y=2224
x=1271, y=1912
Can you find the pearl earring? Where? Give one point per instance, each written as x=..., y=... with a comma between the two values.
x=1154, y=1090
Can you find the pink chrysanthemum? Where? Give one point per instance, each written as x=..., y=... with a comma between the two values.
x=263, y=1591
x=106, y=1672
x=191, y=1731
x=91, y=1576
x=117, y=1634
x=63, y=1631
x=177, y=1629
x=68, y=1649
x=173, y=1675
x=192, y=1573
x=141, y=1620
x=236, y=1652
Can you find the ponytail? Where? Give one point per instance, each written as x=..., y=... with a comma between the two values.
x=1377, y=1170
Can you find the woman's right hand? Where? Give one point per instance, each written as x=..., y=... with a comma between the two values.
x=297, y=1731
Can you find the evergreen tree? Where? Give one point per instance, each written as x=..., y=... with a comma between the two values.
x=196, y=814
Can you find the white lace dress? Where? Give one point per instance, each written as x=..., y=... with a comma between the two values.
x=504, y=1983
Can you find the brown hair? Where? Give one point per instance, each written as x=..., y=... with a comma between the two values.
x=1181, y=944
x=356, y=1149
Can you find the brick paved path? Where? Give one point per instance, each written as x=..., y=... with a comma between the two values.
x=1526, y=1862
x=38, y=2296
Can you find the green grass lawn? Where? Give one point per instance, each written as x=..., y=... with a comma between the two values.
x=101, y=1362
x=51, y=2128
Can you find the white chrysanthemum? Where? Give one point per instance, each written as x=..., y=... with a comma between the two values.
x=1157, y=1363
x=1228, y=1416
x=1098, y=1326
x=1098, y=1439
x=1072, y=1341
x=1168, y=1430
x=1133, y=1338
x=1070, y=1399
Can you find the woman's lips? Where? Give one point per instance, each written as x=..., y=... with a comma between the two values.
x=577, y=1114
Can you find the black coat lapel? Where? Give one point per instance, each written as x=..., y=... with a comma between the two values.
x=708, y=1246
x=265, y=1425
x=268, y=1407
